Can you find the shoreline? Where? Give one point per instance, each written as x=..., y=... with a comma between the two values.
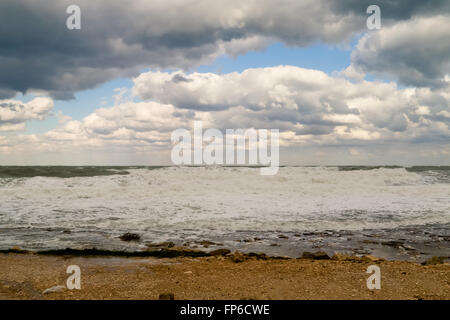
x=170, y=250
x=235, y=276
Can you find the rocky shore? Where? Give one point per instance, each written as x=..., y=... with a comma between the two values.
x=169, y=272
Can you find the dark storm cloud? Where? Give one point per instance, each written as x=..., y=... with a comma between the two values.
x=415, y=52
x=394, y=10
x=119, y=38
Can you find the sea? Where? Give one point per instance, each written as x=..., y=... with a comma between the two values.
x=388, y=211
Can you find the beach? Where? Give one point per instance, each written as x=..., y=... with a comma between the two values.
x=395, y=213
x=306, y=233
x=27, y=275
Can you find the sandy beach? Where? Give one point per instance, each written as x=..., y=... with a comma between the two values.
x=26, y=276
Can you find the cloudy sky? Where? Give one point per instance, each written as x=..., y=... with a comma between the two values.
x=112, y=92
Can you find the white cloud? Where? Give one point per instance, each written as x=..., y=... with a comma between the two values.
x=414, y=52
x=309, y=107
x=14, y=113
x=307, y=102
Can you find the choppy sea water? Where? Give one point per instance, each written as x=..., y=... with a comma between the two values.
x=393, y=212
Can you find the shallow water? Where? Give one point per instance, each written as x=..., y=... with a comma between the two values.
x=345, y=209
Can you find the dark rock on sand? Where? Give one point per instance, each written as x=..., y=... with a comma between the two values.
x=238, y=256
x=434, y=260
x=166, y=296
x=130, y=237
x=258, y=256
x=342, y=257
x=220, y=252
x=320, y=255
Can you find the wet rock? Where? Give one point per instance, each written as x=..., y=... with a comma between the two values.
x=130, y=237
x=434, y=260
x=394, y=244
x=167, y=244
x=15, y=249
x=220, y=252
x=54, y=289
x=370, y=242
x=258, y=256
x=237, y=257
x=279, y=258
x=206, y=243
x=178, y=252
x=343, y=257
x=369, y=258
x=320, y=255
x=166, y=296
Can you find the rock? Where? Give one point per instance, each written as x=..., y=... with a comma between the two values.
x=369, y=258
x=341, y=257
x=54, y=289
x=320, y=255
x=237, y=257
x=206, y=244
x=166, y=296
x=17, y=249
x=370, y=241
x=394, y=244
x=220, y=252
x=281, y=236
x=258, y=256
x=167, y=244
x=434, y=260
x=130, y=237
x=344, y=257
x=175, y=252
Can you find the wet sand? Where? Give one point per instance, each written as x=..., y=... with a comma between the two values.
x=26, y=276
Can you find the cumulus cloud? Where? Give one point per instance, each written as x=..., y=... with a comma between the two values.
x=128, y=124
x=14, y=113
x=414, y=52
x=309, y=107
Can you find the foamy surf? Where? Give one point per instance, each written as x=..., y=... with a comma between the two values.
x=297, y=208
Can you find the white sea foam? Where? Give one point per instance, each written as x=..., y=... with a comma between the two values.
x=175, y=202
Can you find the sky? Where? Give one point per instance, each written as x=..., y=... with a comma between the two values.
x=112, y=92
